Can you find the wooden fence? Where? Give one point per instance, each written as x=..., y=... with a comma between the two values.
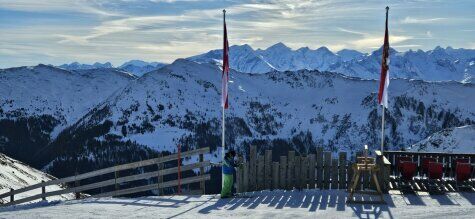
x=316, y=170
x=201, y=178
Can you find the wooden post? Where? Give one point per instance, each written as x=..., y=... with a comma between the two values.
x=43, y=191
x=202, y=172
x=290, y=170
x=275, y=175
x=246, y=178
x=319, y=160
x=160, y=177
x=260, y=172
x=253, y=168
x=297, y=176
x=268, y=169
x=342, y=170
x=311, y=171
x=12, y=196
x=283, y=172
x=303, y=172
x=116, y=175
x=76, y=184
x=334, y=174
x=326, y=172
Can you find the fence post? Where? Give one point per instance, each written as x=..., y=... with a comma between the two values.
x=43, y=191
x=297, y=176
x=160, y=167
x=246, y=178
x=384, y=170
x=303, y=172
x=268, y=169
x=311, y=171
x=326, y=172
x=334, y=174
x=275, y=175
x=283, y=172
x=290, y=170
x=260, y=172
x=253, y=168
x=76, y=184
x=202, y=171
x=116, y=175
x=342, y=170
x=12, y=196
x=319, y=160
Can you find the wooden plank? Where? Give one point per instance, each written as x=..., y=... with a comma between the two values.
x=334, y=174
x=260, y=172
x=275, y=175
x=112, y=182
x=268, y=169
x=303, y=172
x=238, y=180
x=253, y=168
x=342, y=170
x=108, y=170
x=311, y=171
x=290, y=170
x=246, y=178
x=349, y=174
x=320, y=163
x=202, y=172
x=283, y=173
x=153, y=186
x=297, y=176
x=326, y=170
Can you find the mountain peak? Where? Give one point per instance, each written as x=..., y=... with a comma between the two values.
x=278, y=47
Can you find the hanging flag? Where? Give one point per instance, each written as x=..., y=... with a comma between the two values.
x=225, y=76
x=384, y=82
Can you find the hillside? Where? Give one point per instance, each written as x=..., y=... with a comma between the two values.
x=15, y=174
x=38, y=102
x=179, y=103
x=452, y=140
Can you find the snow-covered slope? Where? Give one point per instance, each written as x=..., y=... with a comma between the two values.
x=180, y=103
x=38, y=102
x=452, y=140
x=65, y=95
x=438, y=64
x=15, y=175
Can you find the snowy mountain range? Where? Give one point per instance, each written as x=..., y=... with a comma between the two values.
x=62, y=120
x=136, y=67
x=438, y=64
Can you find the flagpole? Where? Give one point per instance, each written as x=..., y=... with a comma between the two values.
x=382, y=130
x=382, y=116
x=223, y=104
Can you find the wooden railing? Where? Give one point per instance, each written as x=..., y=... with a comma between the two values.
x=315, y=170
x=118, y=180
x=447, y=159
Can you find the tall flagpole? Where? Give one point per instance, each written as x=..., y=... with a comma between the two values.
x=223, y=104
x=382, y=106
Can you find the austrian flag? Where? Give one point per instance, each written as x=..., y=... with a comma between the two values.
x=384, y=82
x=225, y=76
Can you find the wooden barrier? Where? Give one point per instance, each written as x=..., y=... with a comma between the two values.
x=315, y=170
x=117, y=180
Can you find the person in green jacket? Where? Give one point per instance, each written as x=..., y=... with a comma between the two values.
x=228, y=171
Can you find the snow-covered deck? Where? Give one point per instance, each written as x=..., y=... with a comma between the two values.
x=276, y=204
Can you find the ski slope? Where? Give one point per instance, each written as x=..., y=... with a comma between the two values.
x=276, y=204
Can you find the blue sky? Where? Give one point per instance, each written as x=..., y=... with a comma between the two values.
x=63, y=31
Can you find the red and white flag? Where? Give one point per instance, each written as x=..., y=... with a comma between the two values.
x=384, y=82
x=225, y=75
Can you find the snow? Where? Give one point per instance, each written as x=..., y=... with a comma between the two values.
x=15, y=174
x=266, y=204
x=452, y=140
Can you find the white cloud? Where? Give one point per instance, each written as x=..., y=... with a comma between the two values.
x=411, y=20
x=377, y=41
